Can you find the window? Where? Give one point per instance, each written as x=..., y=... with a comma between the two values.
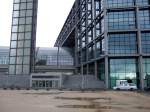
x=28, y=12
x=12, y=60
x=15, y=21
x=122, y=43
x=142, y=2
x=121, y=20
x=16, y=14
x=127, y=70
x=13, y=52
x=144, y=16
x=120, y=3
x=14, y=36
x=146, y=69
x=145, y=38
x=16, y=6
x=14, y=28
x=100, y=48
x=22, y=21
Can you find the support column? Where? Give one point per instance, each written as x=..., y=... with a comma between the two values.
x=106, y=45
x=95, y=69
x=140, y=59
x=141, y=73
x=106, y=73
x=87, y=69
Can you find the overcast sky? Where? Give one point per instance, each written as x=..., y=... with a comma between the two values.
x=51, y=17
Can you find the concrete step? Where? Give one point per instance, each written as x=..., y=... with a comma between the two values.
x=86, y=81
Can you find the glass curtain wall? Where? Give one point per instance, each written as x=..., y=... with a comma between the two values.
x=146, y=67
x=22, y=36
x=123, y=69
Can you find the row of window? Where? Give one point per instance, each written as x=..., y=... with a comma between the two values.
x=20, y=52
x=22, y=28
x=21, y=36
x=52, y=60
x=118, y=43
x=23, y=13
x=17, y=1
x=121, y=20
x=123, y=3
x=19, y=69
x=20, y=21
x=127, y=70
x=126, y=43
x=25, y=60
x=122, y=43
x=4, y=60
x=22, y=6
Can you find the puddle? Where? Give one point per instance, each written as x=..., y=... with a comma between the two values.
x=95, y=103
x=97, y=107
x=83, y=98
x=86, y=106
x=142, y=108
x=51, y=93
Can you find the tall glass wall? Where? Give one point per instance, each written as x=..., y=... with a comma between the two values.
x=23, y=36
x=122, y=69
x=146, y=66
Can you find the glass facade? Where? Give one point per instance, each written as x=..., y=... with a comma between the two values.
x=22, y=37
x=146, y=67
x=145, y=40
x=114, y=30
x=101, y=70
x=4, y=56
x=123, y=69
x=4, y=60
x=122, y=43
x=51, y=56
x=144, y=16
x=120, y=3
x=120, y=20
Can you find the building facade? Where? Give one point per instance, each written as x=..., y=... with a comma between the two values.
x=51, y=65
x=111, y=39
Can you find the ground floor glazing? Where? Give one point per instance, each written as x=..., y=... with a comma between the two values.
x=120, y=69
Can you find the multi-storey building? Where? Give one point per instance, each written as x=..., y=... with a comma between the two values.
x=111, y=39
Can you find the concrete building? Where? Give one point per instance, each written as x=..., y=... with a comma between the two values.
x=111, y=39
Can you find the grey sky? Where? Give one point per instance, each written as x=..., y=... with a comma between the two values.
x=51, y=17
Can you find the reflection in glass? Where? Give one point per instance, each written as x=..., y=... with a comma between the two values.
x=127, y=70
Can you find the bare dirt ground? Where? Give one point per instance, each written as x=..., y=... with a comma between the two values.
x=69, y=101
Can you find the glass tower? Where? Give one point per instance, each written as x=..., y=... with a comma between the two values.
x=23, y=37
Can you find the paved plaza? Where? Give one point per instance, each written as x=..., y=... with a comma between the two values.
x=73, y=101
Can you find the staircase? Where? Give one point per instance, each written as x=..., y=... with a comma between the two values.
x=82, y=82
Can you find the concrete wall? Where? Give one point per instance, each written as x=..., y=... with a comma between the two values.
x=21, y=81
x=83, y=82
